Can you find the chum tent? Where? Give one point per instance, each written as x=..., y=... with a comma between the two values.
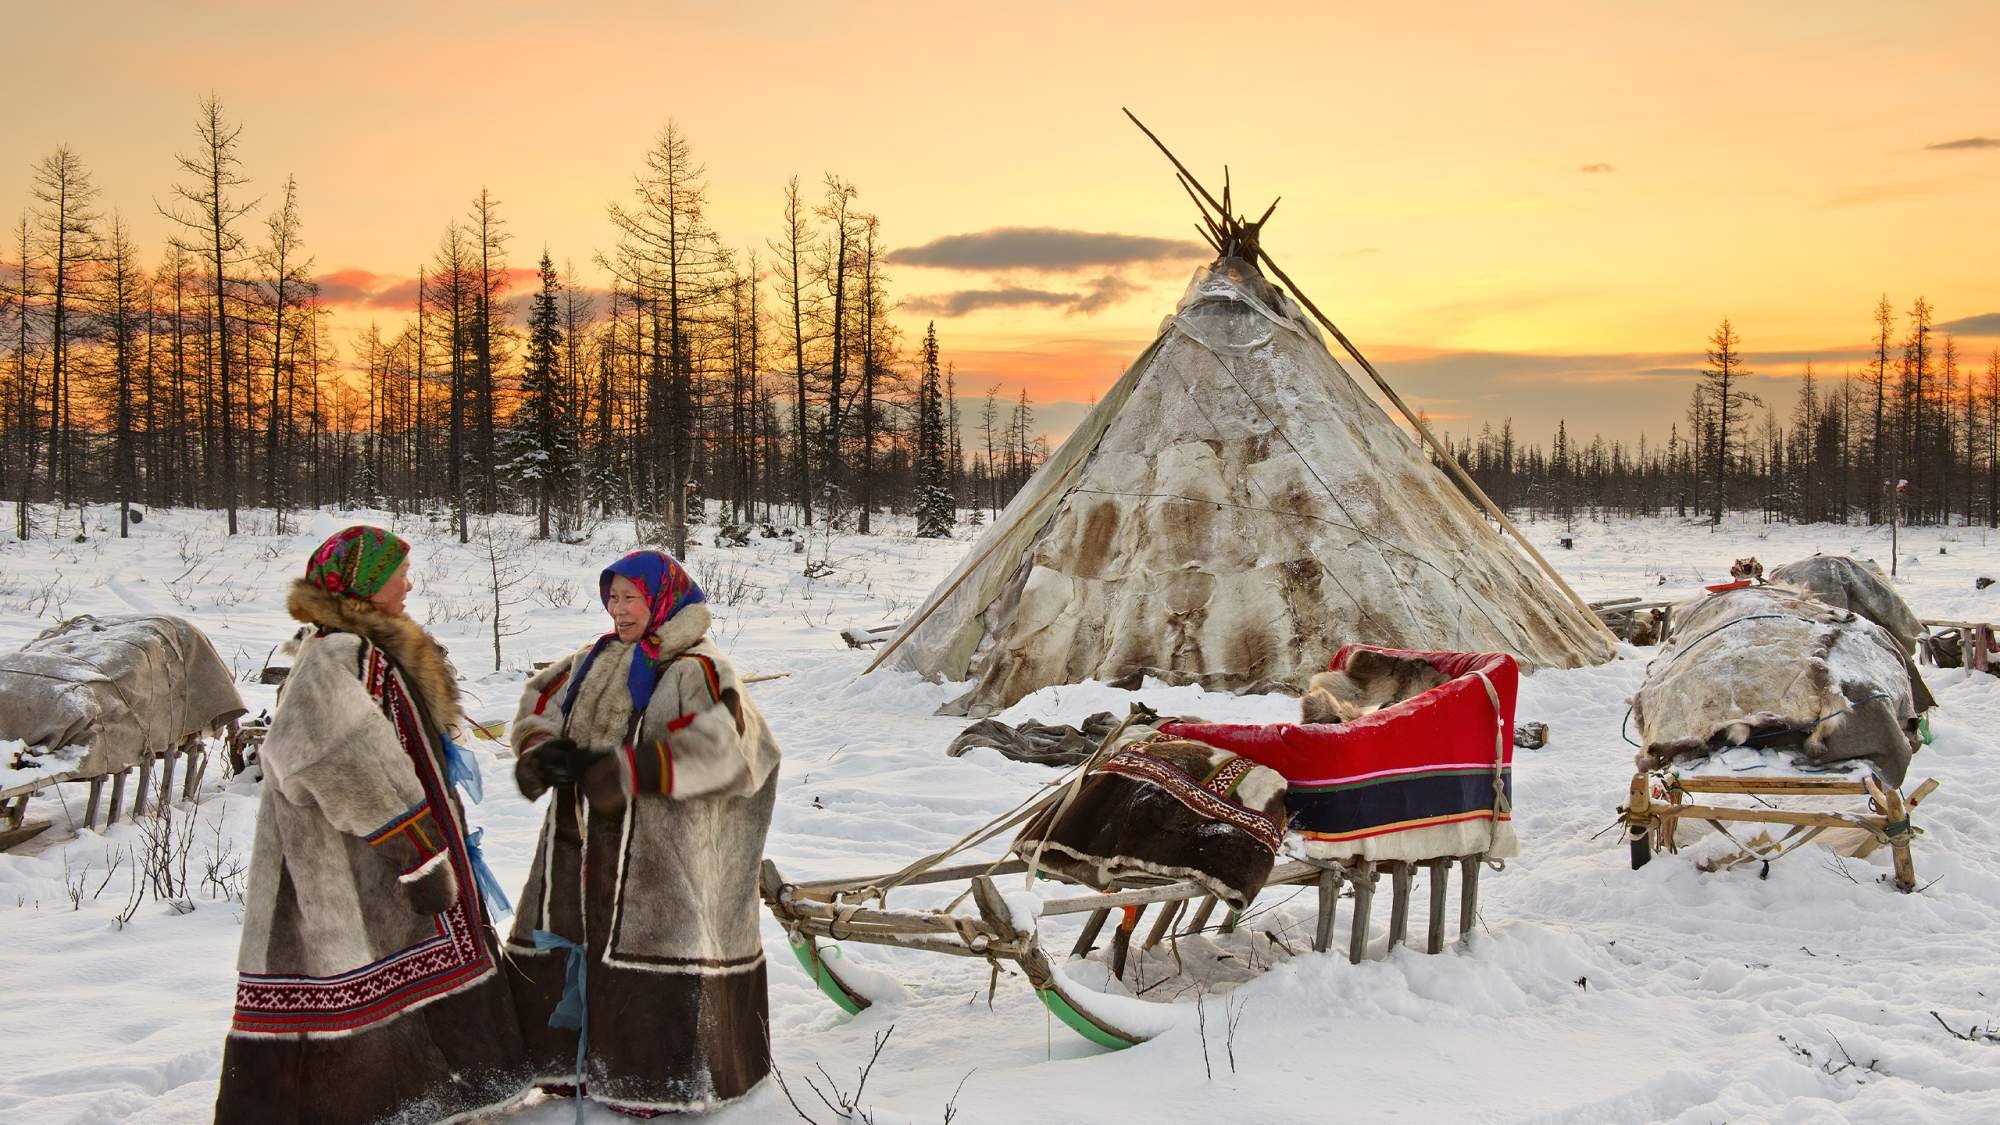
x=1231, y=512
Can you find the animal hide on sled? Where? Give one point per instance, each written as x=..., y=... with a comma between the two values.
x=1048, y=744
x=1767, y=666
x=1846, y=583
x=1165, y=809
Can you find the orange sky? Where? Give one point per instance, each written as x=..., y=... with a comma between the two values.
x=1527, y=209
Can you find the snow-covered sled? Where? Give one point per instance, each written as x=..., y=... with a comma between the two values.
x=1421, y=784
x=94, y=698
x=1769, y=694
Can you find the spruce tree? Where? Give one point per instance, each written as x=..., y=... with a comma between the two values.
x=543, y=441
x=935, y=503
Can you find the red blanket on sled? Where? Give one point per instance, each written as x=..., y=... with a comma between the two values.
x=1429, y=776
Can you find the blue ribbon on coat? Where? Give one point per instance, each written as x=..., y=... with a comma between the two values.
x=461, y=770
x=496, y=898
x=572, y=1011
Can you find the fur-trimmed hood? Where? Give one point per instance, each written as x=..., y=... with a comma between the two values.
x=417, y=654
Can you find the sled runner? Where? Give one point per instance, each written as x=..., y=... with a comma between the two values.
x=95, y=698
x=1423, y=784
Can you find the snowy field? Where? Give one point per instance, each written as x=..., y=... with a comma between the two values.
x=1589, y=992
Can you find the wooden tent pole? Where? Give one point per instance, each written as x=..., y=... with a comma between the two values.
x=1451, y=465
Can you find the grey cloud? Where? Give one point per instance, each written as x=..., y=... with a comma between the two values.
x=1985, y=324
x=1096, y=296
x=1964, y=143
x=1043, y=248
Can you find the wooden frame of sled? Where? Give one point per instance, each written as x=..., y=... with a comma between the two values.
x=1651, y=820
x=1978, y=642
x=16, y=828
x=829, y=910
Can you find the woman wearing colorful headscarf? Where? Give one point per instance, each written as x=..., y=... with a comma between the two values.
x=368, y=985
x=641, y=982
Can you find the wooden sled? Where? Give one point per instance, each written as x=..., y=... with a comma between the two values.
x=818, y=914
x=16, y=828
x=1660, y=800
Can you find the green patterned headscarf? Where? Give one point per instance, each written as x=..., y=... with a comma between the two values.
x=357, y=562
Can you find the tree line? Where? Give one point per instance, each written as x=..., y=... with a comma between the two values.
x=1914, y=436
x=751, y=383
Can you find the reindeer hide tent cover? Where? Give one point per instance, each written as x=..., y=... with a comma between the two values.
x=1233, y=511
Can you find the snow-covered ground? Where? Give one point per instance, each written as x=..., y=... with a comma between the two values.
x=1589, y=993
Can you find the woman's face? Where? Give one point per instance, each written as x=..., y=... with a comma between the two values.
x=628, y=609
x=389, y=599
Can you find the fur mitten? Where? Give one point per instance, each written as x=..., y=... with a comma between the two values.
x=604, y=782
x=546, y=765
x=432, y=888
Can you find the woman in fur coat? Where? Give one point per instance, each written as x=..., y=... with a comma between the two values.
x=368, y=985
x=645, y=883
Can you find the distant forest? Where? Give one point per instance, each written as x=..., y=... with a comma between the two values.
x=744, y=384
x=1915, y=437
x=765, y=380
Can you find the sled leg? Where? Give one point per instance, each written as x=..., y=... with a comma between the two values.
x=1090, y=930
x=197, y=765
x=166, y=794
x=1201, y=914
x=1639, y=820
x=145, y=786
x=1168, y=914
x=1121, y=941
x=90, y=807
x=13, y=826
x=1896, y=812
x=1364, y=902
x=1439, y=876
x=1329, y=897
x=1468, y=894
x=117, y=796
x=1399, y=903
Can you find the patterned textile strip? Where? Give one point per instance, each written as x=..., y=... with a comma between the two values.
x=1226, y=777
x=1404, y=826
x=416, y=827
x=1482, y=772
x=351, y=1001
x=1198, y=799
x=710, y=676
x=1394, y=804
x=555, y=685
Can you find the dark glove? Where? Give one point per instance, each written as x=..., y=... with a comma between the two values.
x=603, y=781
x=432, y=888
x=546, y=765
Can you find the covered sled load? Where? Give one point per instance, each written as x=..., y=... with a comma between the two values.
x=1768, y=667
x=1232, y=511
x=1846, y=583
x=119, y=689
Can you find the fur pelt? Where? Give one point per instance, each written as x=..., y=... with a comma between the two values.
x=1746, y=568
x=1769, y=667
x=1165, y=808
x=416, y=654
x=1370, y=681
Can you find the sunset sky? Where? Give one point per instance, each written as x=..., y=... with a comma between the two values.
x=1530, y=209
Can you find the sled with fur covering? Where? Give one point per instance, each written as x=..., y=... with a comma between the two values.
x=1447, y=747
x=822, y=918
